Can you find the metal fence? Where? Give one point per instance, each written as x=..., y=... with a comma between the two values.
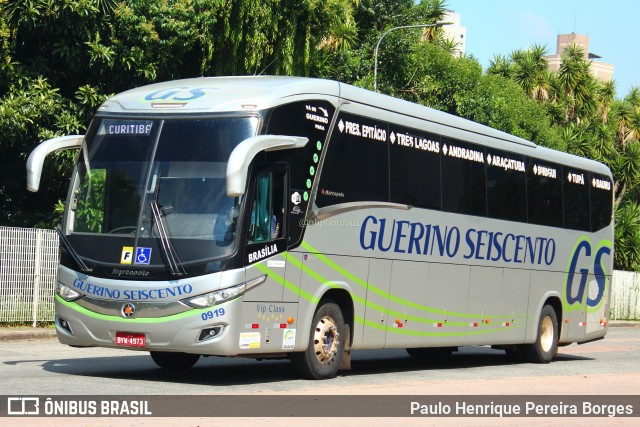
x=28, y=268
x=29, y=261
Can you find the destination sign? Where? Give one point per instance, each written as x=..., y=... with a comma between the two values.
x=505, y=163
x=545, y=171
x=125, y=127
x=602, y=184
x=463, y=153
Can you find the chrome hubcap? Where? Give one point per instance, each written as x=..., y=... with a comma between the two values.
x=326, y=340
x=546, y=334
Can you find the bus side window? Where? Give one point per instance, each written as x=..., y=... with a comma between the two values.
x=266, y=221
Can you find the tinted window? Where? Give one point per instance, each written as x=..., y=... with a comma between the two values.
x=309, y=119
x=414, y=167
x=267, y=208
x=576, y=199
x=506, y=186
x=356, y=164
x=601, y=201
x=463, y=178
x=544, y=192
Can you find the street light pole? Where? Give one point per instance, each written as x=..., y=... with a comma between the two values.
x=375, y=68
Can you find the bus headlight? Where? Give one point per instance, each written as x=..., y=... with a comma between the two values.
x=222, y=295
x=66, y=293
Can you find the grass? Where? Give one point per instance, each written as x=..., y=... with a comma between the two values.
x=27, y=324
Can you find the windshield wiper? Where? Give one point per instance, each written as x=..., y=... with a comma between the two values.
x=170, y=253
x=67, y=244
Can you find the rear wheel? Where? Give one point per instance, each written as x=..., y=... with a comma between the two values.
x=326, y=344
x=545, y=349
x=174, y=361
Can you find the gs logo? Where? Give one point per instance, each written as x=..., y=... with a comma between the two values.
x=582, y=255
x=176, y=94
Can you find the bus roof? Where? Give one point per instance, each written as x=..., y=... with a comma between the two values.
x=252, y=93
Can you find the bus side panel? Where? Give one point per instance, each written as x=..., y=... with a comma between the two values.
x=323, y=273
x=407, y=323
x=271, y=289
x=447, y=301
x=377, y=306
x=543, y=285
x=293, y=276
x=515, y=297
x=486, y=305
x=597, y=316
x=264, y=328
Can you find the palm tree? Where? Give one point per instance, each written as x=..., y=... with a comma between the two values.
x=500, y=66
x=524, y=70
x=607, y=94
x=449, y=45
x=626, y=169
x=622, y=112
x=633, y=98
x=576, y=83
x=342, y=35
x=436, y=10
x=530, y=71
x=627, y=236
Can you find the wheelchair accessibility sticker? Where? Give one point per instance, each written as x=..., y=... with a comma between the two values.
x=143, y=255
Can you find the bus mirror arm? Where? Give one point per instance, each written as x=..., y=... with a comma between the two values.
x=37, y=156
x=243, y=154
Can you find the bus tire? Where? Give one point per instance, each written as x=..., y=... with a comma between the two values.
x=322, y=358
x=545, y=348
x=174, y=361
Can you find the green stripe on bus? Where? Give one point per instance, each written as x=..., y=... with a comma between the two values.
x=367, y=303
x=149, y=320
x=363, y=283
x=608, y=244
x=285, y=283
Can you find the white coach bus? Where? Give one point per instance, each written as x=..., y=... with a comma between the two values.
x=274, y=217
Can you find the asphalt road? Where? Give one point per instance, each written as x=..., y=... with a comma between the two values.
x=43, y=366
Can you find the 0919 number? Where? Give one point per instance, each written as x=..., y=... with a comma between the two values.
x=218, y=312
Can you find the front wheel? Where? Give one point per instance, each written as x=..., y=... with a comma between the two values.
x=545, y=349
x=326, y=344
x=174, y=361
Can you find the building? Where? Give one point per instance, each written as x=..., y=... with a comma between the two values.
x=600, y=70
x=455, y=32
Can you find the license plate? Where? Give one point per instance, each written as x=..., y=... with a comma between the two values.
x=129, y=339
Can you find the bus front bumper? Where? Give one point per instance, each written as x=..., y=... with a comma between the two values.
x=207, y=331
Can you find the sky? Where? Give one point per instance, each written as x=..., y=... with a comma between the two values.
x=502, y=26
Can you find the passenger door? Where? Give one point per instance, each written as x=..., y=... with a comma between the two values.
x=266, y=232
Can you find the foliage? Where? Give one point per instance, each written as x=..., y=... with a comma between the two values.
x=500, y=103
x=61, y=60
x=627, y=236
x=90, y=200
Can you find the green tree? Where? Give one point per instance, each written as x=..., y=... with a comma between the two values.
x=502, y=104
x=627, y=237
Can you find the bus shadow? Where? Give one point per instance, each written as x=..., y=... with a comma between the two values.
x=214, y=371
x=466, y=357
x=220, y=371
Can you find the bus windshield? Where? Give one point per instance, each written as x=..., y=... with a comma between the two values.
x=177, y=166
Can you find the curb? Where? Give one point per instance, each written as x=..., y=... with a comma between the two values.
x=625, y=323
x=26, y=333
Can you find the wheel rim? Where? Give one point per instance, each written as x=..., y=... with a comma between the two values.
x=326, y=340
x=546, y=334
